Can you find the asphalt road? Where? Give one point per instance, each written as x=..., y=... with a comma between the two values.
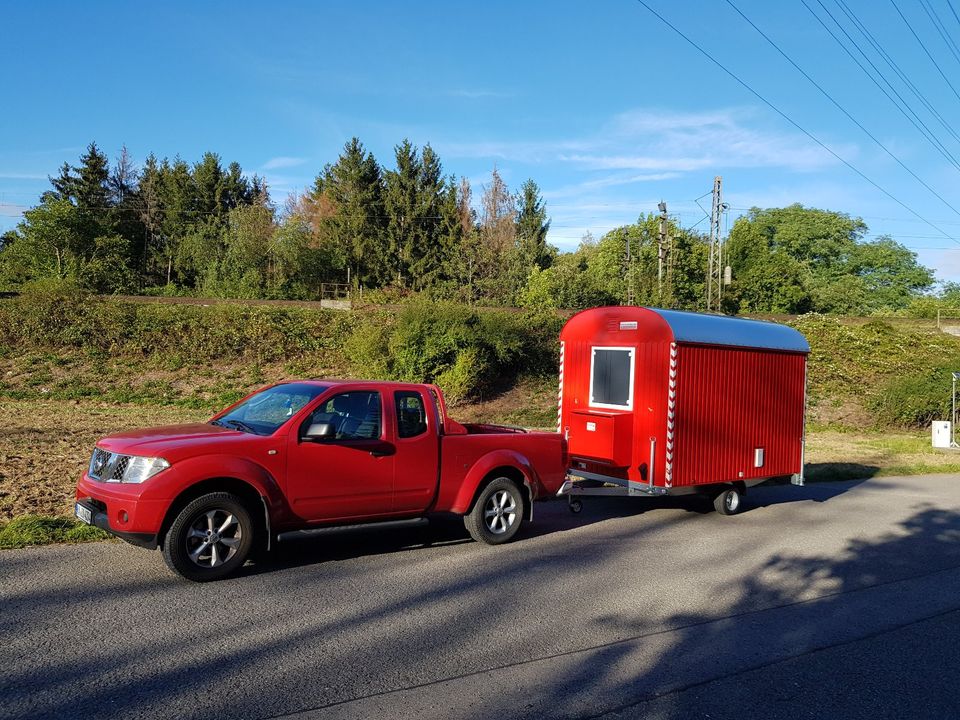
x=831, y=601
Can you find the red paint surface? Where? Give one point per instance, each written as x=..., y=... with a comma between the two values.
x=729, y=401
x=305, y=484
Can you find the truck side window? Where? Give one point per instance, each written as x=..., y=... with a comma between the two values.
x=411, y=415
x=355, y=415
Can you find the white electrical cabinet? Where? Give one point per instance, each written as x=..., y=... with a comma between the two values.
x=941, y=433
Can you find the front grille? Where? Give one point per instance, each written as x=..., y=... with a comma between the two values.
x=107, y=466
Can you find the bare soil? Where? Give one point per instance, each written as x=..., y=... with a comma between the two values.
x=45, y=446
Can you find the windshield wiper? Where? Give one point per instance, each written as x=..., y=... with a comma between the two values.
x=240, y=425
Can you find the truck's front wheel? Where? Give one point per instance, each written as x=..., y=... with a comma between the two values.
x=210, y=538
x=497, y=514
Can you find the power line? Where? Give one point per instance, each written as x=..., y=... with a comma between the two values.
x=955, y=16
x=902, y=105
x=791, y=121
x=885, y=56
x=941, y=29
x=842, y=109
x=924, y=47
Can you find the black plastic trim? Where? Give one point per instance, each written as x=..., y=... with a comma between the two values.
x=100, y=520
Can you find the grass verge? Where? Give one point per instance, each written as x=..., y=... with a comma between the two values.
x=849, y=455
x=37, y=530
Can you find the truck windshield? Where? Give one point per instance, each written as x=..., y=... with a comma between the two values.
x=264, y=412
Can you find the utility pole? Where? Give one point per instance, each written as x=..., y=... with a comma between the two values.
x=662, y=251
x=716, y=275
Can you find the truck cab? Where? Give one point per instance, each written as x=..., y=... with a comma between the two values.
x=312, y=455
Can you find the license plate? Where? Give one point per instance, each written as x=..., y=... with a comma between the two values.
x=83, y=513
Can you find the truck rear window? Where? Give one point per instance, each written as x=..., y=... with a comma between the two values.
x=611, y=378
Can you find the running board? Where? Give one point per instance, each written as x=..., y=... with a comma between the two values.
x=331, y=529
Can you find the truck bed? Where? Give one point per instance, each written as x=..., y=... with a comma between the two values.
x=488, y=447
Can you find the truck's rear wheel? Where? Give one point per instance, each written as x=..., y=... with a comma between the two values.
x=728, y=501
x=210, y=538
x=497, y=514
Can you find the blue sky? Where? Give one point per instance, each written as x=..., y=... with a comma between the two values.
x=606, y=108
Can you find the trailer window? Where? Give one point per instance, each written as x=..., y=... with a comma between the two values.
x=611, y=378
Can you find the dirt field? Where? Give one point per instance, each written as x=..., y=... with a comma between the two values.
x=45, y=445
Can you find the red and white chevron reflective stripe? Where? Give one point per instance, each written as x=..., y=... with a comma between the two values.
x=671, y=408
x=560, y=390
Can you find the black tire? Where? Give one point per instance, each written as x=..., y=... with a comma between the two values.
x=210, y=538
x=728, y=501
x=497, y=514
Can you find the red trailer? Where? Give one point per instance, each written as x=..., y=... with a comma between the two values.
x=657, y=402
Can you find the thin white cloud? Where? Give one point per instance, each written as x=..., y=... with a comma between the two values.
x=661, y=141
x=639, y=162
x=579, y=189
x=21, y=176
x=946, y=262
x=479, y=94
x=11, y=214
x=283, y=161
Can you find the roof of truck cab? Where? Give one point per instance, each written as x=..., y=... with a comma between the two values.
x=341, y=381
x=607, y=324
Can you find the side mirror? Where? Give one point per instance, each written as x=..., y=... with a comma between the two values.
x=319, y=431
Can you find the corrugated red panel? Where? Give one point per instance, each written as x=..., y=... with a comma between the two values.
x=730, y=402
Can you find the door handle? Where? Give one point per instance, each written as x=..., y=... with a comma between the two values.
x=379, y=453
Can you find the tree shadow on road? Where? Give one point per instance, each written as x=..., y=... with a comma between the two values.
x=808, y=636
x=324, y=637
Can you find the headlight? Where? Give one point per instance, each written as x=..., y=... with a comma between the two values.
x=139, y=469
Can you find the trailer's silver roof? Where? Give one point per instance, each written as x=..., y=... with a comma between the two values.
x=736, y=332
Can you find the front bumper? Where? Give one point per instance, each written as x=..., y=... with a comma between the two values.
x=121, y=510
x=100, y=519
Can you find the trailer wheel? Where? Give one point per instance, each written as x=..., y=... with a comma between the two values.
x=497, y=514
x=576, y=506
x=728, y=501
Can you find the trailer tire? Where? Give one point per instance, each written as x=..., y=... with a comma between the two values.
x=728, y=501
x=497, y=514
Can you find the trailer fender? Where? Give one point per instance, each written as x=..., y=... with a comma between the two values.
x=510, y=460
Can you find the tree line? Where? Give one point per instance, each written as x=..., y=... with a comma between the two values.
x=170, y=227
x=790, y=260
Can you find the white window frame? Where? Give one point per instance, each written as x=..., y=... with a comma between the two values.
x=610, y=406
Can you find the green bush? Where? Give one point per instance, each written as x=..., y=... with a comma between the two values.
x=914, y=399
x=465, y=351
x=58, y=317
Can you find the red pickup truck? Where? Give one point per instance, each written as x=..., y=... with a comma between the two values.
x=311, y=455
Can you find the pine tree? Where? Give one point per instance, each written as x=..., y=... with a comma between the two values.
x=176, y=192
x=355, y=187
x=403, y=212
x=150, y=205
x=209, y=187
x=429, y=257
x=532, y=227
x=91, y=189
x=125, y=213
